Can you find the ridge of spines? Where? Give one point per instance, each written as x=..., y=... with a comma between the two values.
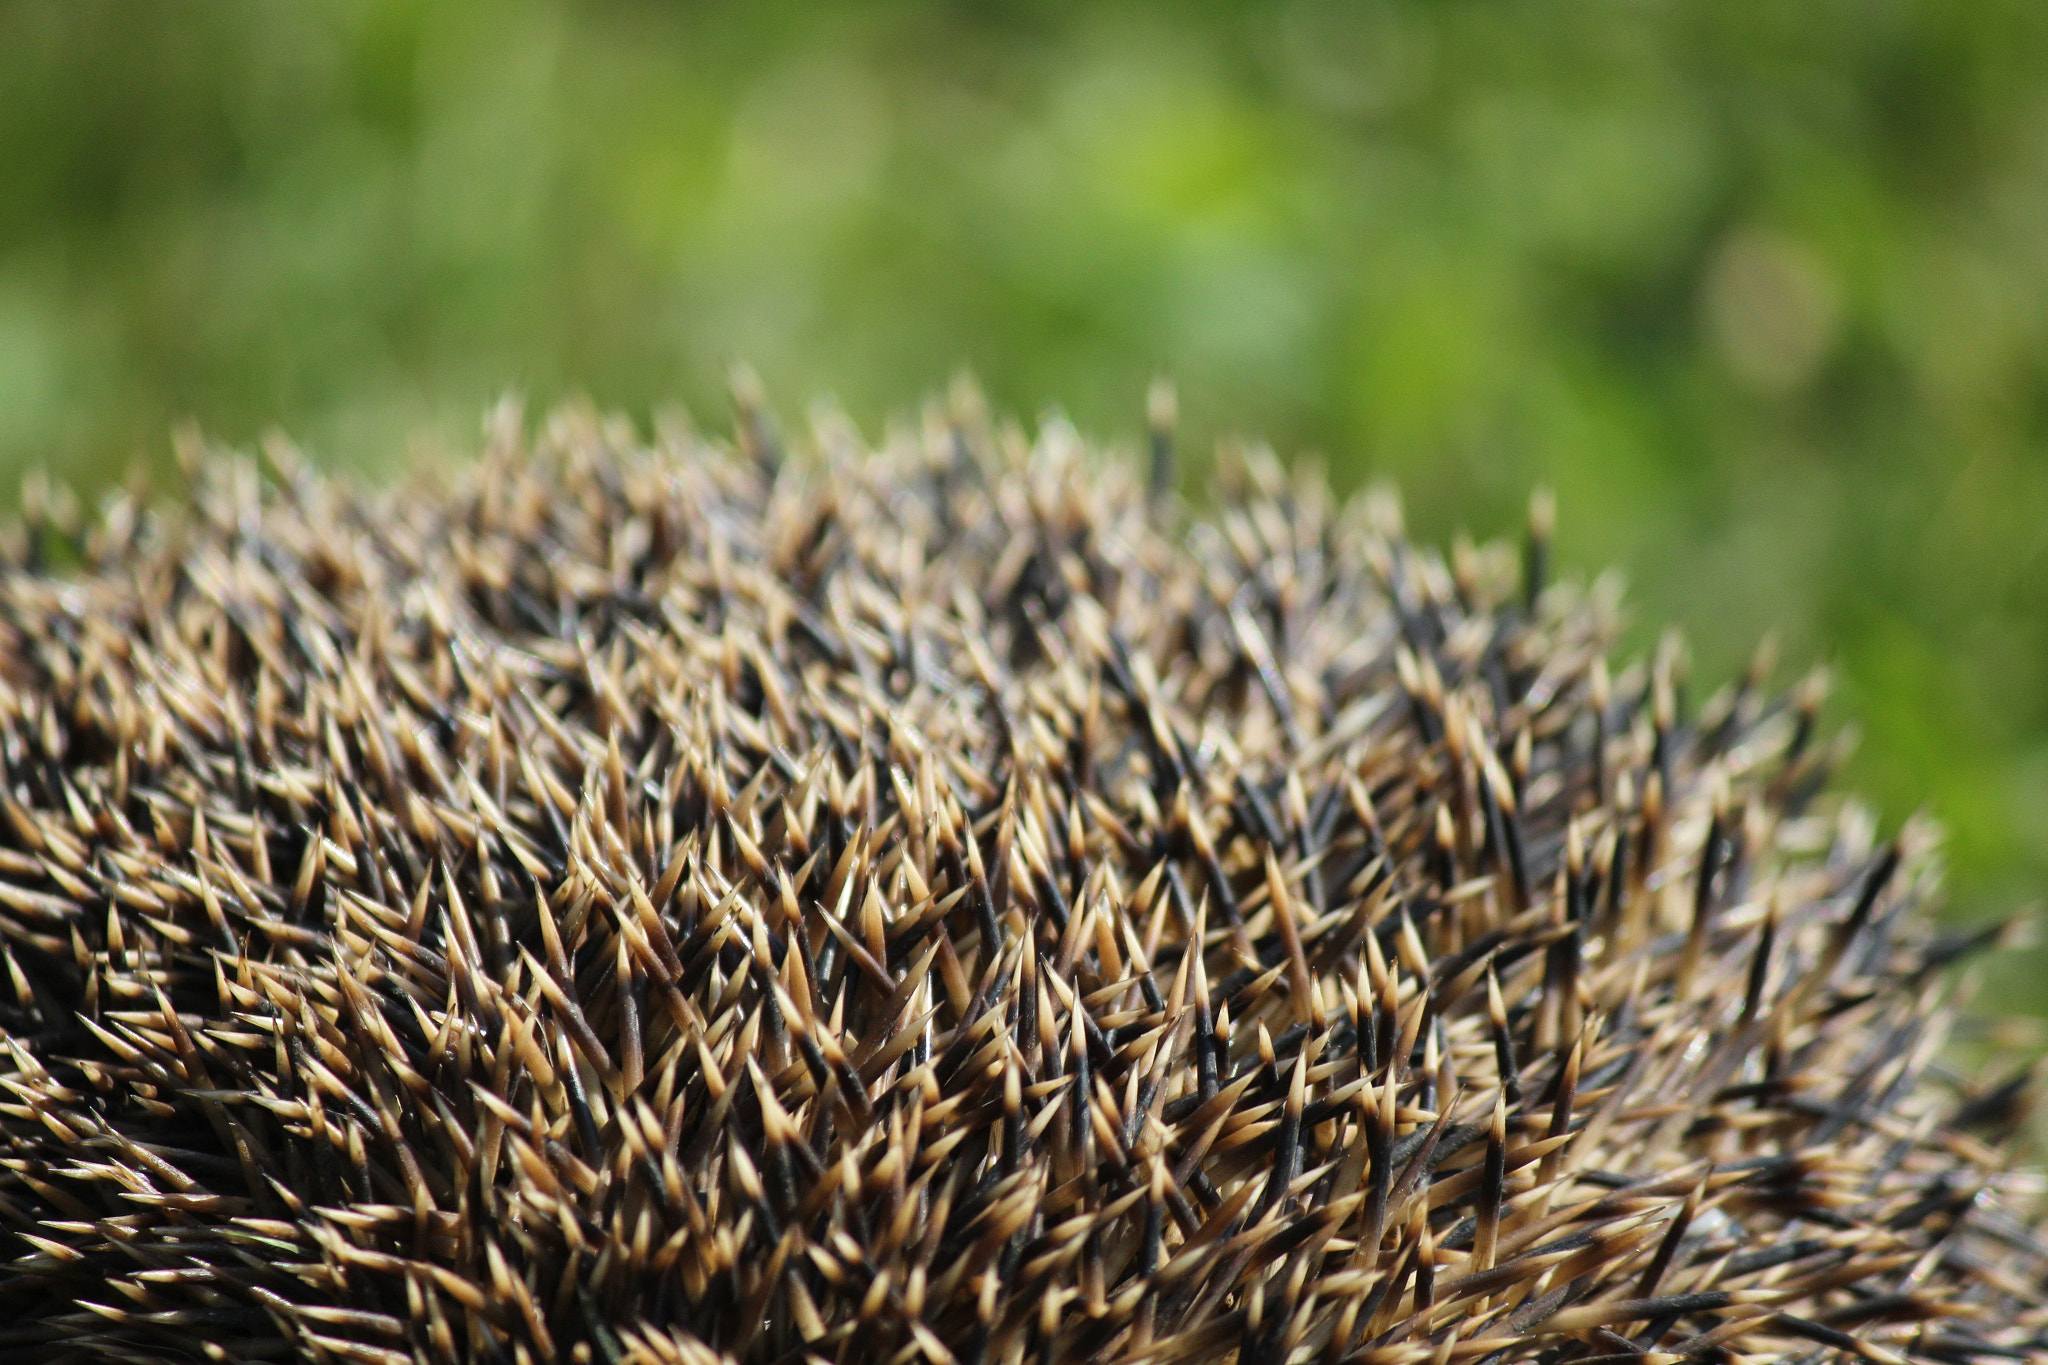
x=637, y=904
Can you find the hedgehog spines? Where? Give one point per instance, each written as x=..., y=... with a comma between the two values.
x=668, y=903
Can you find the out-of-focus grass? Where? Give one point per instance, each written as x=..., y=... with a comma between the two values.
x=1759, y=287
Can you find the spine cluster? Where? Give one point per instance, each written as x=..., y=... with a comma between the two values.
x=669, y=903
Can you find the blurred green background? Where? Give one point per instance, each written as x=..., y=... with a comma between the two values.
x=1760, y=288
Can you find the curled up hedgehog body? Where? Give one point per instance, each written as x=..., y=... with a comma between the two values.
x=676, y=903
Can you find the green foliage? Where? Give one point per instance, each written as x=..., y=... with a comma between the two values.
x=1759, y=287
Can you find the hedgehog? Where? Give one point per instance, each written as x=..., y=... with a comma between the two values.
x=678, y=899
